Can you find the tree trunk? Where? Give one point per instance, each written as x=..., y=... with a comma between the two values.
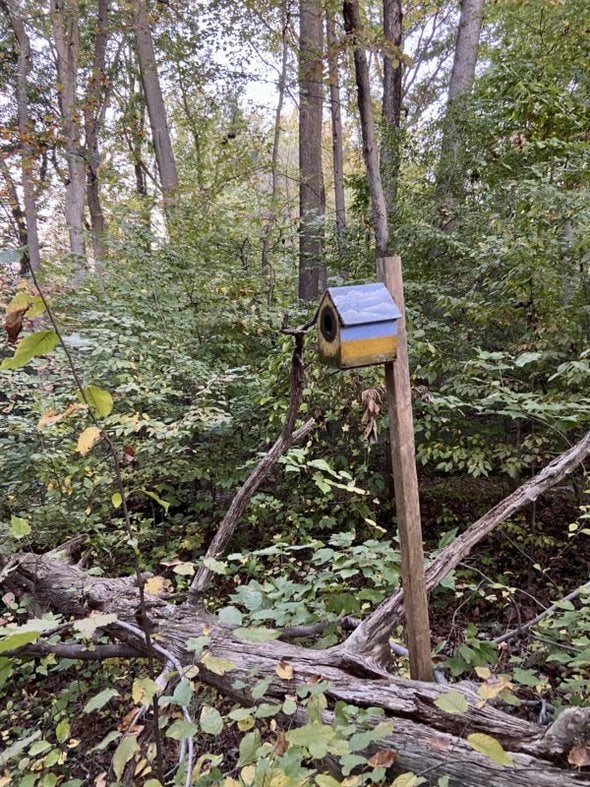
x=337, y=156
x=94, y=101
x=450, y=178
x=30, y=238
x=312, y=274
x=155, y=103
x=267, y=269
x=353, y=27
x=392, y=101
x=66, y=35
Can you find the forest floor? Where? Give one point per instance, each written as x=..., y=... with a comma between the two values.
x=533, y=554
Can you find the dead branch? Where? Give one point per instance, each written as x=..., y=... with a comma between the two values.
x=369, y=638
x=519, y=631
x=424, y=736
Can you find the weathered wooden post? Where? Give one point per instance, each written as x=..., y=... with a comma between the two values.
x=407, y=502
x=363, y=325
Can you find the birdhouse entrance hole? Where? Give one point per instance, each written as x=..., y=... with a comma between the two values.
x=328, y=324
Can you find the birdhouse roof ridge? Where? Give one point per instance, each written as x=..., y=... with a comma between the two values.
x=361, y=304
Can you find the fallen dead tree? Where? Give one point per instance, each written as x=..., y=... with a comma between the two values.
x=426, y=738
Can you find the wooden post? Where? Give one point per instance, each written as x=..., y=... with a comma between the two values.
x=407, y=503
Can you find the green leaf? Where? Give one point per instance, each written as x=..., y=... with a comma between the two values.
x=19, y=527
x=490, y=747
x=15, y=749
x=249, y=746
x=39, y=343
x=158, y=500
x=452, y=702
x=216, y=566
x=17, y=640
x=108, y=739
x=182, y=730
x=197, y=644
x=257, y=634
x=98, y=400
x=116, y=499
x=183, y=693
x=526, y=358
x=315, y=737
x=217, y=664
x=87, y=626
x=39, y=747
x=231, y=616
x=525, y=677
x=62, y=731
x=100, y=700
x=323, y=780
x=210, y=720
x=123, y=753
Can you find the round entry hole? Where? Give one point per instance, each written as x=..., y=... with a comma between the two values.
x=328, y=324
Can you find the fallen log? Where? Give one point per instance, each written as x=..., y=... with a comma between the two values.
x=425, y=738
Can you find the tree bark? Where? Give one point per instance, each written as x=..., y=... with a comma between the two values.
x=424, y=737
x=450, y=178
x=267, y=268
x=155, y=103
x=392, y=101
x=312, y=273
x=94, y=101
x=66, y=35
x=30, y=238
x=337, y=155
x=353, y=27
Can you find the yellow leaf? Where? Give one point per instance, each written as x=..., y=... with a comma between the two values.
x=156, y=585
x=50, y=417
x=87, y=439
x=484, y=673
x=489, y=747
x=284, y=670
x=144, y=690
x=248, y=774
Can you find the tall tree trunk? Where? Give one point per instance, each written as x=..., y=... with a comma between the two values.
x=17, y=213
x=95, y=98
x=66, y=35
x=312, y=273
x=392, y=101
x=155, y=103
x=28, y=223
x=337, y=156
x=450, y=178
x=353, y=27
x=265, y=254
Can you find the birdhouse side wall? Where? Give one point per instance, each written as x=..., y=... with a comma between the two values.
x=364, y=345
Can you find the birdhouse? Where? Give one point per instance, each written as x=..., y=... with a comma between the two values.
x=357, y=326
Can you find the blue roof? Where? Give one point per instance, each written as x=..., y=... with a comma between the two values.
x=360, y=304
